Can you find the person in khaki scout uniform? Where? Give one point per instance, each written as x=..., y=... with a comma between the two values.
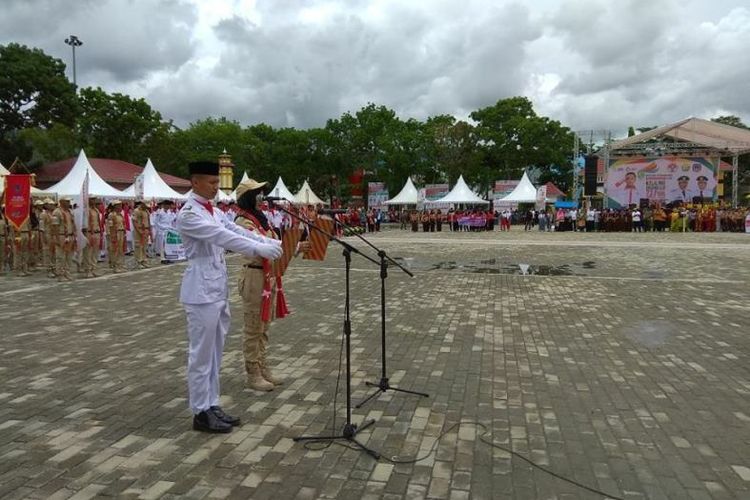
x=21, y=245
x=45, y=236
x=64, y=236
x=92, y=231
x=35, y=244
x=3, y=239
x=141, y=233
x=256, y=286
x=116, y=237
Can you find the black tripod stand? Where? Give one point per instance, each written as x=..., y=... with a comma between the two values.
x=383, y=385
x=350, y=430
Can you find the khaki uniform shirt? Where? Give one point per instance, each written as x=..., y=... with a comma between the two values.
x=63, y=226
x=116, y=227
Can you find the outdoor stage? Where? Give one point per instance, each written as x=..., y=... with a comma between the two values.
x=618, y=361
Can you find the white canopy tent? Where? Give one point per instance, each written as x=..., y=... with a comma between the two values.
x=306, y=196
x=460, y=194
x=154, y=187
x=3, y=171
x=281, y=191
x=407, y=196
x=72, y=184
x=525, y=192
x=221, y=196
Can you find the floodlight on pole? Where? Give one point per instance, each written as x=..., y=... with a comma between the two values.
x=74, y=42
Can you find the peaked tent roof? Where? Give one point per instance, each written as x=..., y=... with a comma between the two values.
x=154, y=186
x=280, y=191
x=72, y=183
x=407, y=196
x=706, y=133
x=4, y=171
x=221, y=196
x=461, y=193
x=525, y=192
x=306, y=196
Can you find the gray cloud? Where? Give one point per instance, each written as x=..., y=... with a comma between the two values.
x=123, y=41
x=588, y=63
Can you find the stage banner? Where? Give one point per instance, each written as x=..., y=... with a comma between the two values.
x=503, y=188
x=663, y=180
x=541, y=197
x=17, y=198
x=434, y=192
x=377, y=195
x=173, y=248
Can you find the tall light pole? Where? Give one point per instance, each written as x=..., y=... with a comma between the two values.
x=74, y=42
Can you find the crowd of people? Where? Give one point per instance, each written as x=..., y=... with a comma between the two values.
x=681, y=218
x=62, y=239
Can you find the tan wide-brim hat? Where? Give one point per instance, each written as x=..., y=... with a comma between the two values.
x=249, y=185
x=115, y=202
x=66, y=198
x=48, y=201
x=38, y=203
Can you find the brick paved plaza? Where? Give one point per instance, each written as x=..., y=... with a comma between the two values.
x=621, y=361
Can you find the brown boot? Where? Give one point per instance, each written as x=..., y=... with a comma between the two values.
x=255, y=379
x=265, y=370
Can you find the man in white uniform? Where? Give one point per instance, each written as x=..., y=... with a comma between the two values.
x=204, y=293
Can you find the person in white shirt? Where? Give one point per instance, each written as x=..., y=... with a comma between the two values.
x=204, y=293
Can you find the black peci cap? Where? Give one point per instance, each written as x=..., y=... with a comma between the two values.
x=203, y=168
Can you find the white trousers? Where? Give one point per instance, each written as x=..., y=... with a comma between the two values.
x=207, y=326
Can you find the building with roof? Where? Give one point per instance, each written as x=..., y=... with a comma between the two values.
x=117, y=173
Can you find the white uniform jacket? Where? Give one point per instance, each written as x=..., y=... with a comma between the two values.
x=205, y=237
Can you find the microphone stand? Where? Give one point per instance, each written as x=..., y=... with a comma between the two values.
x=350, y=430
x=382, y=385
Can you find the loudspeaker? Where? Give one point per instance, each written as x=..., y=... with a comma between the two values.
x=589, y=184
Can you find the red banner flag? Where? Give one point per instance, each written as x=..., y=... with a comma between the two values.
x=17, y=198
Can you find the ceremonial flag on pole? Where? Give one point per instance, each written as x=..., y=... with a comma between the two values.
x=289, y=245
x=17, y=199
x=318, y=240
x=80, y=213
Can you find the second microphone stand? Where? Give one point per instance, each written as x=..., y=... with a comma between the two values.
x=383, y=384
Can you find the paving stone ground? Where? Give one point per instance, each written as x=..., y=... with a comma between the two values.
x=620, y=361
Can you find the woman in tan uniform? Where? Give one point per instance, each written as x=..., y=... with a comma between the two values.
x=262, y=296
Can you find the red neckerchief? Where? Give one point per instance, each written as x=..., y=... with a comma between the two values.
x=282, y=309
x=206, y=205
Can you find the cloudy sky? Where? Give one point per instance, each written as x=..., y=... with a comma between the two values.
x=592, y=64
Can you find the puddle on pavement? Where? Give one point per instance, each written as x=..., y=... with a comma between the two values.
x=496, y=266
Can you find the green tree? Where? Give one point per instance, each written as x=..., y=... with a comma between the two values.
x=514, y=137
x=117, y=126
x=34, y=93
x=734, y=121
x=631, y=131
x=49, y=144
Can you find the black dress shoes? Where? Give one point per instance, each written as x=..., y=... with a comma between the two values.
x=207, y=421
x=227, y=419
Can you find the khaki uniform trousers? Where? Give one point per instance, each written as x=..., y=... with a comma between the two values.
x=255, y=338
x=140, y=242
x=63, y=258
x=91, y=253
x=22, y=252
x=48, y=258
x=116, y=250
